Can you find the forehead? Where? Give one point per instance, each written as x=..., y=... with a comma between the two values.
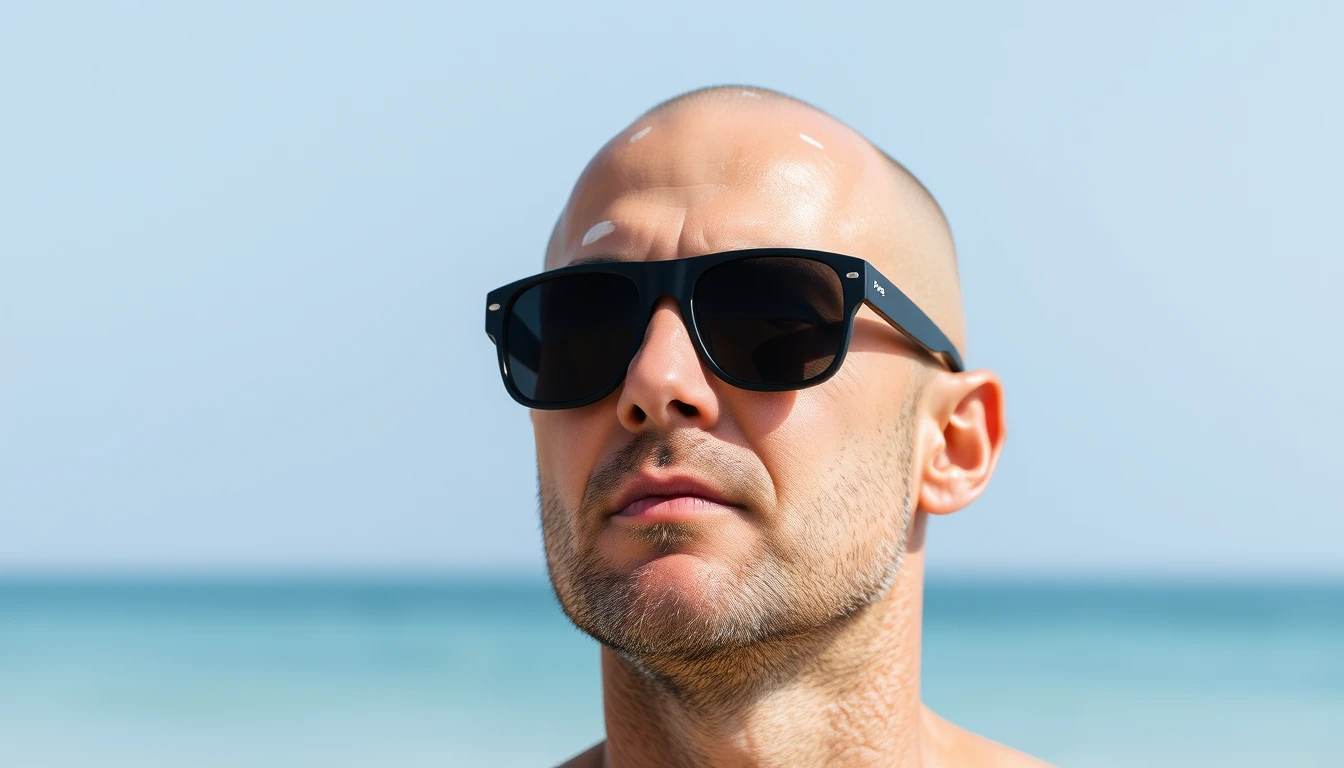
x=681, y=185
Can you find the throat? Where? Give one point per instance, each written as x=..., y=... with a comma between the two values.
x=796, y=700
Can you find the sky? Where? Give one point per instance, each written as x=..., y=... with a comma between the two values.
x=244, y=249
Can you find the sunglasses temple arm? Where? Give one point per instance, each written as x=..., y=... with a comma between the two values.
x=896, y=308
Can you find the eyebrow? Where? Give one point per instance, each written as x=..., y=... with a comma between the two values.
x=596, y=258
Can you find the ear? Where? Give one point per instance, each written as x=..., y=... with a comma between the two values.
x=968, y=430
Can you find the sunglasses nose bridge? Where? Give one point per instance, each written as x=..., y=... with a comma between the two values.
x=663, y=280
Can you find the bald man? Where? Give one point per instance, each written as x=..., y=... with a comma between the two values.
x=744, y=364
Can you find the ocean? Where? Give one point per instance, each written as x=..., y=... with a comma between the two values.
x=463, y=672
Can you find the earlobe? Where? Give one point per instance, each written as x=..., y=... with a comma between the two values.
x=967, y=414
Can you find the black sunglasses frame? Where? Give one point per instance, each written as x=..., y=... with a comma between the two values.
x=677, y=278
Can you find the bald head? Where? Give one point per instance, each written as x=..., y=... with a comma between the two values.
x=731, y=96
x=740, y=167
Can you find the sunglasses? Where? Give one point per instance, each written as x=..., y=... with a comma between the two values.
x=764, y=319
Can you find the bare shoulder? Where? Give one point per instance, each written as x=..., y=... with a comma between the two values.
x=589, y=758
x=953, y=746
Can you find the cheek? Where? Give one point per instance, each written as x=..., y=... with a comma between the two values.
x=569, y=444
x=801, y=438
x=818, y=444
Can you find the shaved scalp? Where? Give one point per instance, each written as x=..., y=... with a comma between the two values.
x=734, y=95
x=728, y=95
x=898, y=214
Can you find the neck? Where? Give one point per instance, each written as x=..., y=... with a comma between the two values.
x=844, y=695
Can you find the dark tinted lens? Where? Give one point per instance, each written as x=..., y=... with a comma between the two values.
x=773, y=320
x=570, y=337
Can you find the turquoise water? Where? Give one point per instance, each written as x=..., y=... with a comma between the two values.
x=475, y=673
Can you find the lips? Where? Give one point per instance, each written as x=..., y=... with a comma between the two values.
x=651, y=499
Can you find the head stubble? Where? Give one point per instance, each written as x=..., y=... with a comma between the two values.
x=783, y=590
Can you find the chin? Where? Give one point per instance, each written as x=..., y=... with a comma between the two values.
x=678, y=603
x=682, y=579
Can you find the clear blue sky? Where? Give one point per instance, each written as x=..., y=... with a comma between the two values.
x=243, y=248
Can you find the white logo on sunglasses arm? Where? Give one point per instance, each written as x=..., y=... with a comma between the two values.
x=879, y=288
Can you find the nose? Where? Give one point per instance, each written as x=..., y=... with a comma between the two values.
x=665, y=385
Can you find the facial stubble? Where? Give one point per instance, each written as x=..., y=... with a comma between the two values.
x=842, y=557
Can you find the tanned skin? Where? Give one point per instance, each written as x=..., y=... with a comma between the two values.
x=783, y=627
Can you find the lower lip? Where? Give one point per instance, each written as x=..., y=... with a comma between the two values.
x=652, y=510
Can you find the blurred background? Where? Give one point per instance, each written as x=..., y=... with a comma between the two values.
x=264, y=501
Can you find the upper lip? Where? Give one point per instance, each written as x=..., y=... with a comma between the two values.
x=645, y=485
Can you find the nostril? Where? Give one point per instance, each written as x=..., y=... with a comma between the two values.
x=686, y=409
x=638, y=414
